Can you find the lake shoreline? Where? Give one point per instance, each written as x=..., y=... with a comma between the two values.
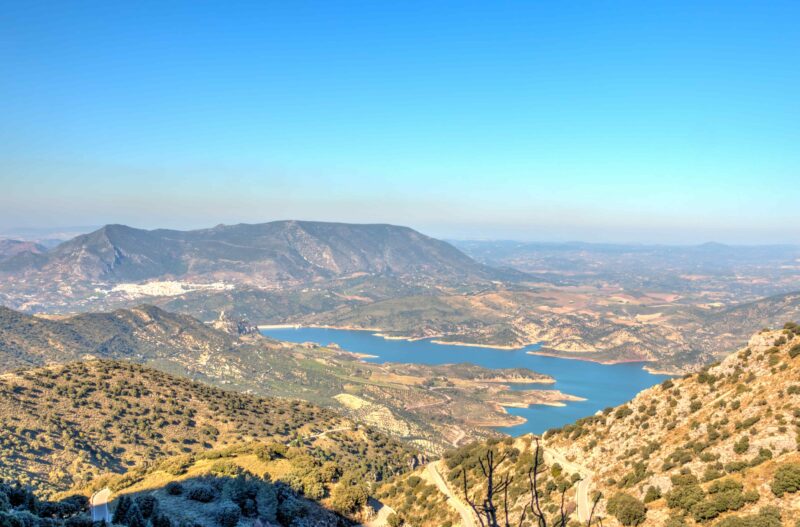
x=645, y=367
x=378, y=332
x=436, y=339
x=589, y=385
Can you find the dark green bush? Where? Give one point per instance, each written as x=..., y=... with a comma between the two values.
x=174, y=488
x=786, y=479
x=627, y=509
x=202, y=493
x=228, y=514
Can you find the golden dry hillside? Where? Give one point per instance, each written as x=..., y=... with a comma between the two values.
x=65, y=425
x=703, y=449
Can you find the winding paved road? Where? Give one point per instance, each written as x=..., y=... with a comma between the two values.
x=380, y=519
x=582, y=489
x=99, y=504
x=467, y=518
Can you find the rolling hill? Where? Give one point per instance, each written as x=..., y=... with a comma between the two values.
x=64, y=425
x=12, y=248
x=432, y=407
x=142, y=333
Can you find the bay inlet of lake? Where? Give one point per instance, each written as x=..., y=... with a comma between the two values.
x=601, y=385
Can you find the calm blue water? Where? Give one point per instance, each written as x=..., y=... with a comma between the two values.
x=600, y=385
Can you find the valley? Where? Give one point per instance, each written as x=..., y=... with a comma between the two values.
x=678, y=308
x=404, y=400
x=387, y=374
x=592, y=386
x=399, y=264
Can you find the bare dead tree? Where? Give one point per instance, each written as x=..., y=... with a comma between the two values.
x=533, y=484
x=486, y=511
x=594, y=506
x=563, y=521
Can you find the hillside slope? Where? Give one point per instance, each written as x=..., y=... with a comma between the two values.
x=62, y=426
x=731, y=428
x=12, y=248
x=432, y=406
x=143, y=331
x=718, y=448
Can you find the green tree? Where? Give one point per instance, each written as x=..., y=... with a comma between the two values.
x=786, y=479
x=627, y=509
x=349, y=495
x=228, y=514
x=121, y=512
x=267, y=502
x=134, y=517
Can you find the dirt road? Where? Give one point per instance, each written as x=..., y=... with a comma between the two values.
x=467, y=517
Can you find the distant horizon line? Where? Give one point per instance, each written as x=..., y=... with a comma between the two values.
x=32, y=234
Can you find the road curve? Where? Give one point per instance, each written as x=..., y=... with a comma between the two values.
x=99, y=505
x=467, y=518
x=582, y=489
x=382, y=515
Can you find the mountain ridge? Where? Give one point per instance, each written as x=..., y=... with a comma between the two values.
x=288, y=250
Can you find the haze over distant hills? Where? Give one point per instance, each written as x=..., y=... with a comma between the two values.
x=277, y=252
x=679, y=307
x=12, y=248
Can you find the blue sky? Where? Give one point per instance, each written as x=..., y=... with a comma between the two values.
x=603, y=121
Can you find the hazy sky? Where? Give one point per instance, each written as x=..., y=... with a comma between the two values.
x=601, y=121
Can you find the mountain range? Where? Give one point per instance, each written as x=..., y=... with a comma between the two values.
x=277, y=253
x=679, y=308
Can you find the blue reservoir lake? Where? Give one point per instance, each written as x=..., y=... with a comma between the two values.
x=601, y=385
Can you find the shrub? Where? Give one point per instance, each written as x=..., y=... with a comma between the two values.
x=228, y=514
x=766, y=517
x=202, y=493
x=724, y=495
x=174, y=488
x=349, y=495
x=147, y=503
x=623, y=411
x=685, y=493
x=786, y=479
x=652, y=494
x=794, y=351
x=121, y=512
x=134, y=517
x=742, y=445
x=160, y=520
x=627, y=509
x=267, y=502
x=735, y=466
